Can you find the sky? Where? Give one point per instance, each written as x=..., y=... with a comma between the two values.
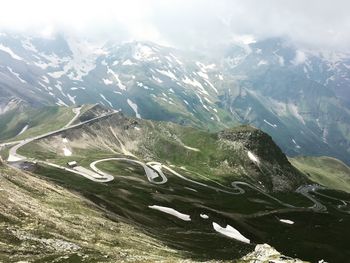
x=319, y=24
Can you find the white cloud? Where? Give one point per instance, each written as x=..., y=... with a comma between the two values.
x=299, y=58
x=187, y=23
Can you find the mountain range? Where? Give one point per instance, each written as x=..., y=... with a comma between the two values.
x=299, y=97
x=137, y=152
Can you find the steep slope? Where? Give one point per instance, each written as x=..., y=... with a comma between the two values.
x=43, y=222
x=22, y=122
x=299, y=97
x=142, y=79
x=292, y=94
x=243, y=153
x=212, y=196
x=326, y=171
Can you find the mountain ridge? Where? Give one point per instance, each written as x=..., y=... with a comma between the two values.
x=250, y=84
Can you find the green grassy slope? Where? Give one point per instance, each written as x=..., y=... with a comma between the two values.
x=326, y=171
x=39, y=121
x=43, y=222
x=222, y=157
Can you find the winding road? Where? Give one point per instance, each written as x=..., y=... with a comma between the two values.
x=15, y=157
x=153, y=170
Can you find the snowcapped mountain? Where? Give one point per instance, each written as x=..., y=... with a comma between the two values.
x=143, y=79
x=300, y=97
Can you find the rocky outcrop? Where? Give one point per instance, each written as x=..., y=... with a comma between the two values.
x=272, y=166
x=264, y=253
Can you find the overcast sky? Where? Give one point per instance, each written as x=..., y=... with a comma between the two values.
x=185, y=23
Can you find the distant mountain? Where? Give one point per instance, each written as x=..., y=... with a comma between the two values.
x=300, y=97
x=142, y=79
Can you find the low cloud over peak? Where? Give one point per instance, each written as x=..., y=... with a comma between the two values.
x=186, y=23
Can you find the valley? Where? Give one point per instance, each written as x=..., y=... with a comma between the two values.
x=183, y=200
x=177, y=131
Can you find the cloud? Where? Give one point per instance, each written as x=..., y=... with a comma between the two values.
x=186, y=23
x=300, y=58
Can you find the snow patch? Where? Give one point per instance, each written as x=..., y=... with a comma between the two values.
x=10, y=52
x=143, y=52
x=107, y=81
x=194, y=83
x=253, y=157
x=231, y=232
x=23, y=130
x=66, y=151
x=204, y=216
x=157, y=79
x=203, y=75
x=71, y=98
x=262, y=62
x=167, y=73
x=61, y=103
x=171, y=211
x=287, y=221
x=176, y=59
x=128, y=62
x=134, y=107
x=29, y=46
x=16, y=75
x=212, y=86
x=77, y=88
x=296, y=145
x=191, y=148
x=104, y=98
x=269, y=123
x=115, y=75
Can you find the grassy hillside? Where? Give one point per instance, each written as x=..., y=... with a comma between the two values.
x=326, y=171
x=222, y=156
x=37, y=120
x=42, y=222
x=214, y=160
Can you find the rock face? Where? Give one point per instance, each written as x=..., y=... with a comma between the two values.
x=264, y=253
x=274, y=168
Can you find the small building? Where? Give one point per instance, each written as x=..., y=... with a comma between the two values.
x=72, y=164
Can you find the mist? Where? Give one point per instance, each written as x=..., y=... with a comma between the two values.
x=185, y=23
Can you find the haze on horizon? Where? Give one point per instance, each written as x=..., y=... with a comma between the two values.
x=185, y=23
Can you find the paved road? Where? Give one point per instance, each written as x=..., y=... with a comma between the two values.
x=77, y=113
x=96, y=178
x=152, y=171
x=305, y=191
x=195, y=182
x=15, y=157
